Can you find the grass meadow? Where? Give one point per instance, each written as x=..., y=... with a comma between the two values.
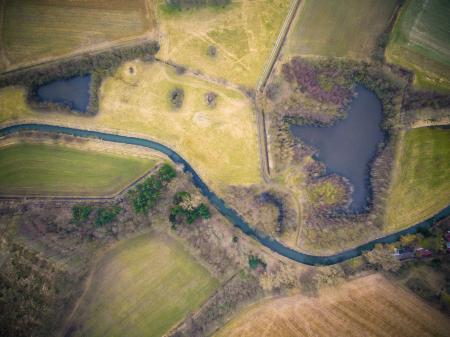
x=142, y=287
x=421, y=181
x=368, y=306
x=34, y=30
x=347, y=28
x=243, y=34
x=220, y=142
x=420, y=41
x=41, y=169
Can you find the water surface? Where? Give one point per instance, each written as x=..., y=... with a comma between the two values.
x=349, y=146
x=73, y=92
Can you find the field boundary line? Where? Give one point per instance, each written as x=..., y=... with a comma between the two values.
x=278, y=44
x=94, y=50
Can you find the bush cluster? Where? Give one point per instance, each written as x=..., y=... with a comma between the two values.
x=145, y=195
x=185, y=209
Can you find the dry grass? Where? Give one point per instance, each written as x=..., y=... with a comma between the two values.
x=347, y=28
x=243, y=33
x=369, y=306
x=34, y=30
x=220, y=142
x=142, y=287
x=421, y=181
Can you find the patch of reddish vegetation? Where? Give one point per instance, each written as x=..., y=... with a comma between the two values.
x=307, y=77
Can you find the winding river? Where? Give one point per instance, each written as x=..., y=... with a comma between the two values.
x=220, y=205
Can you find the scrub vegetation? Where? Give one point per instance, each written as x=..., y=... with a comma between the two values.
x=363, y=307
x=420, y=41
x=347, y=28
x=40, y=169
x=41, y=30
x=421, y=181
x=168, y=284
x=232, y=42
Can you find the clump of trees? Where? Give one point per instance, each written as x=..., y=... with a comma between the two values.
x=80, y=213
x=382, y=257
x=106, y=215
x=145, y=195
x=187, y=208
x=255, y=262
x=211, y=99
x=176, y=97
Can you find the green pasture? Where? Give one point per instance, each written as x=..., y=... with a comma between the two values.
x=143, y=287
x=421, y=182
x=39, y=169
x=420, y=41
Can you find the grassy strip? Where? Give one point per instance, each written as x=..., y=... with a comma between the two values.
x=38, y=169
x=142, y=288
x=421, y=184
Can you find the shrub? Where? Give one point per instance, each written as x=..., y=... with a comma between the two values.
x=80, y=213
x=255, y=261
x=176, y=97
x=106, y=215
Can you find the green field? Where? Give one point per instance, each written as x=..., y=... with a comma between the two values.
x=38, y=169
x=420, y=41
x=243, y=33
x=421, y=182
x=34, y=30
x=342, y=28
x=142, y=287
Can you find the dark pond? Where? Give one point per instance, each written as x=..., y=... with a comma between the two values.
x=73, y=92
x=348, y=146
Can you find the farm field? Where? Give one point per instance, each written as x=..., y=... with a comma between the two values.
x=347, y=28
x=42, y=169
x=420, y=41
x=38, y=30
x=369, y=306
x=142, y=287
x=220, y=142
x=243, y=34
x=421, y=181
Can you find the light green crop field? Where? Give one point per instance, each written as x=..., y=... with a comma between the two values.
x=142, y=287
x=40, y=169
x=420, y=41
x=244, y=34
x=342, y=28
x=34, y=30
x=421, y=182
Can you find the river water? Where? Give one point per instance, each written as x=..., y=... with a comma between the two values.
x=348, y=146
x=221, y=206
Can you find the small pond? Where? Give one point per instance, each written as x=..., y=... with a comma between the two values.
x=348, y=146
x=73, y=92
